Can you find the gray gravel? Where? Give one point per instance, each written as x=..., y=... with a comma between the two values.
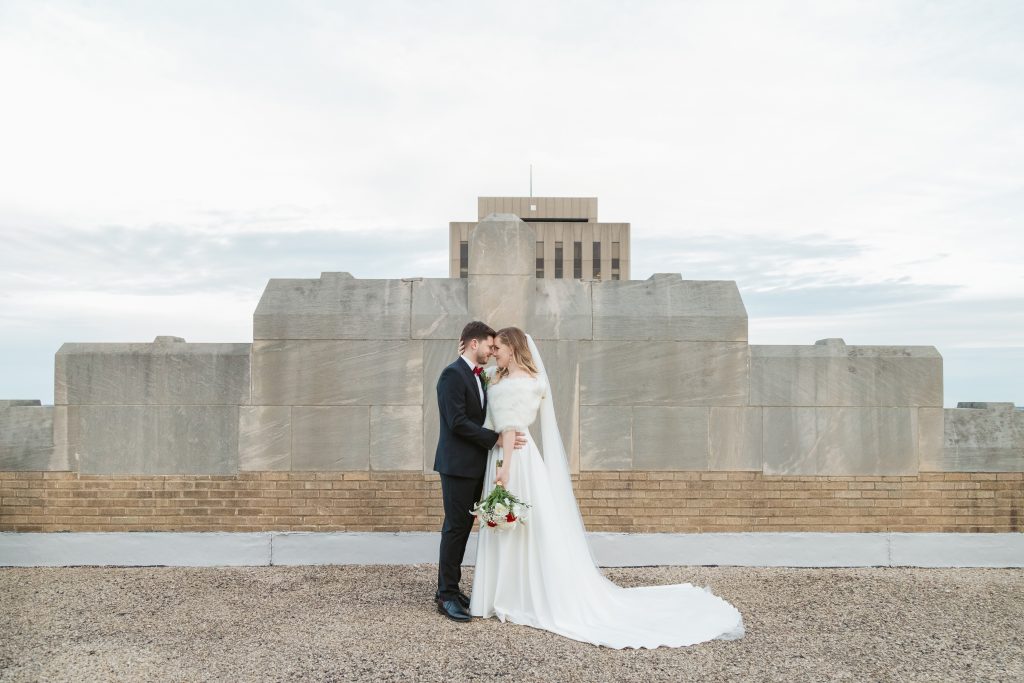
x=351, y=623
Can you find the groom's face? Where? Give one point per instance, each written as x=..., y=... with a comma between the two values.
x=484, y=350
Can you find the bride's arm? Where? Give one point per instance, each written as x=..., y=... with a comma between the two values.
x=504, y=470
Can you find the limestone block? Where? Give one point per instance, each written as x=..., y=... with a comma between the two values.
x=437, y=355
x=930, y=437
x=330, y=438
x=606, y=438
x=265, y=438
x=833, y=374
x=561, y=309
x=840, y=441
x=26, y=437
x=501, y=300
x=337, y=372
x=987, y=438
x=502, y=244
x=440, y=308
x=198, y=438
x=667, y=308
x=889, y=375
x=670, y=438
x=161, y=373
x=334, y=306
x=735, y=437
x=396, y=438
x=789, y=375
x=141, y=439
x=65, y=438
x=561, y=360
x=19, y=402
x=118, y=439
x=666, y=373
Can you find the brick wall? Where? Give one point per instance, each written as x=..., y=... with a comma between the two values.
x=610, y=501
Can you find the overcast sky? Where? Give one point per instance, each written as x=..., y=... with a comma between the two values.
x=856, y=167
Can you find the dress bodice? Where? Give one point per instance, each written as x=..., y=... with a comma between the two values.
x=513, y=402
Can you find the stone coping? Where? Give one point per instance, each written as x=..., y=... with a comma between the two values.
x=756, y=549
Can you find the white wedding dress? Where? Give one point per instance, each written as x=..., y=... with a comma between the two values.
x=542, y=573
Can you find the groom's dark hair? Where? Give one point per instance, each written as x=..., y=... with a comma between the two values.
x=476, y=330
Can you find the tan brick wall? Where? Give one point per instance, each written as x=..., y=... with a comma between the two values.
x=610, y=501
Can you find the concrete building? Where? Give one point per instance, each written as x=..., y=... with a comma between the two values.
x=571, y=242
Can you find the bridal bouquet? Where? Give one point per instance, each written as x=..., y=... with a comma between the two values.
x=500, y=509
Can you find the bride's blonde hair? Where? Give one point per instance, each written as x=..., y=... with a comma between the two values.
x=515, y=339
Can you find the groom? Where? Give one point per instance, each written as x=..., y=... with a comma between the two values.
x=461, y=460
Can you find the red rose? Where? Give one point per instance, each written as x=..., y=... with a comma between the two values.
x=510, y=518
x=490, y=523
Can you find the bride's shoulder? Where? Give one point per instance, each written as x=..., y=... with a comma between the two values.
x=538, y=384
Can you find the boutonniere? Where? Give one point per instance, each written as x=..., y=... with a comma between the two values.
x=485, y=379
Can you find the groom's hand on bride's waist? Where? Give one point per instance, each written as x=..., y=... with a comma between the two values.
x=520, y=440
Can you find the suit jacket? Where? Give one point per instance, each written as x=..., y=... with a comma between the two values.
x=463, y=442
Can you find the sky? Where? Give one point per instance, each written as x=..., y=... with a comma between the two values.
x=856, y=167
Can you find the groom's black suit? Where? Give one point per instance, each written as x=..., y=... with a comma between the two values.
x=461, y=460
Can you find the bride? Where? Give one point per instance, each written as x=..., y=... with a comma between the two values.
x=541, y=573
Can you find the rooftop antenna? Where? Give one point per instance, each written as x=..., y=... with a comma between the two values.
x=531, y=181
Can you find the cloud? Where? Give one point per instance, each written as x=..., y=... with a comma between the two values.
x=170, y=260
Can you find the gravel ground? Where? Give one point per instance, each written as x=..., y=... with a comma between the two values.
x=378, y=623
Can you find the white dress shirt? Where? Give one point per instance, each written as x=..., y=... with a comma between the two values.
x=479, y=384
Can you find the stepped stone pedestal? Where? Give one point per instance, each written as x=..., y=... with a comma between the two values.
x=837, y=409
x=979, y=437
x=161, y=408
x=651, y=375
x=26, y=436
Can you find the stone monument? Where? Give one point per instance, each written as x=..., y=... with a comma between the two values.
x=648, y=376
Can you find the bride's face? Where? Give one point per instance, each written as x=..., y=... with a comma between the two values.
x=502, y=353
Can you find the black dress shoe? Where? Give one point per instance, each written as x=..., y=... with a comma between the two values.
x=452, y=609
x=462, y=598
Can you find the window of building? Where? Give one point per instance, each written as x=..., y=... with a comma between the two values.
x=616, y=272
x=597, y=260
x=577, y=260
x=463, y=259
x=540, y=259
x=558, y=260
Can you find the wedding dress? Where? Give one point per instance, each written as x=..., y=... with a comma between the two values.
x=542, y=573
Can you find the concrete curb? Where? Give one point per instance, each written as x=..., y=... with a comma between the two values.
x=134, y=549
x=757, y=549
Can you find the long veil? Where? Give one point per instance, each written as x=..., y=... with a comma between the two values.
x=556, y=464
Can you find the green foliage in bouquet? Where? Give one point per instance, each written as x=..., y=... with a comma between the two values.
x=500, y=509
